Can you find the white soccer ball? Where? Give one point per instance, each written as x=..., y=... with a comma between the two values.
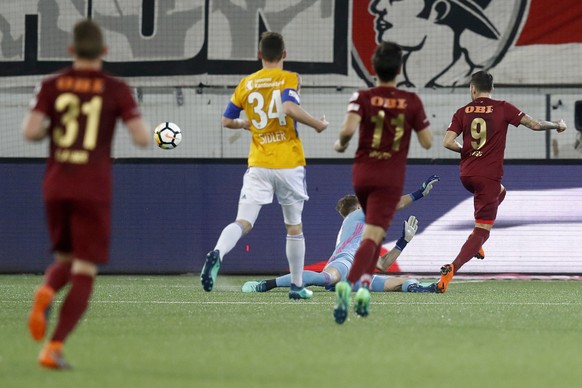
x=168, y=135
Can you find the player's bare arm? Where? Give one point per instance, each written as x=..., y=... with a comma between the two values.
x=542, y=125
x=347, y=130
x=298, y=114
x=34, y=127
x=404, y=202
x=139, y=131
x=386, y=260
x=425, y=138
x=235, y=123
x=450, y=142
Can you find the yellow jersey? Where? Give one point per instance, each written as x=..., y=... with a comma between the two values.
x=275, y=140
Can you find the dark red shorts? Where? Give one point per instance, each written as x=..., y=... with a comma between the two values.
x=82, y=228
x=486, y=197
x=378, y=204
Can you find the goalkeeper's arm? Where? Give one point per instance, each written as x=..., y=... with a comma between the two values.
x=408, y=232
x=425, y=188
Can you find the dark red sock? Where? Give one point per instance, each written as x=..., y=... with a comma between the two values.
x=57, y=275
x=372, y=267
x=471, y=247
x=364, y=255
x=502, y=196
x=74, y=305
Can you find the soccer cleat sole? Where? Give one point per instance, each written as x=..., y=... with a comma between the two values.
x=480, y=255
x=447, y=272
x=37, y=319
x=342, y=302
x=206, y=275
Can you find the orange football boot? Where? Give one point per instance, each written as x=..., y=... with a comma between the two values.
x=480, y=255
x=447, y=273
x=43, y=297
x=51, y=356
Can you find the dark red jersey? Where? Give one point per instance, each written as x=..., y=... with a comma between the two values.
x=388, y=117
x=82, y=107
x=484, y=123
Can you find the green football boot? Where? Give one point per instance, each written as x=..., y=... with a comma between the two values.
x=343, y=293
x=210, y=270
x=299, y=292
x=362, y=303
x=254, y=286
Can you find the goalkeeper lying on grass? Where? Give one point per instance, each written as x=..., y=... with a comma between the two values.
x=349, y=236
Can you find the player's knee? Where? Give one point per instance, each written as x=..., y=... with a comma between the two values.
x=294, y=229
x=245, y=225
x=84, y=267
x=374, y=233
x=487, y=226
x=64, y=257
x=334, y=275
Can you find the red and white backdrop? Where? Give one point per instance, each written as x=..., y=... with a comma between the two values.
x=524, y=42
x=330, y=42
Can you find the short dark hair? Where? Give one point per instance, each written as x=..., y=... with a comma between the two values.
x=272, y=46
x=483, y=81
x=387, y=61
x=347, y=204
x=87, y=39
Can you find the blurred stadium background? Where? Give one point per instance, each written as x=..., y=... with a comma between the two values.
x=183, y=59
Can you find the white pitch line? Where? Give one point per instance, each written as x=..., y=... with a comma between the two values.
x=302, y=303
x=313, y=303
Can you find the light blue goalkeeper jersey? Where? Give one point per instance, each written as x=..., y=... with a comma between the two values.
x=349, y=237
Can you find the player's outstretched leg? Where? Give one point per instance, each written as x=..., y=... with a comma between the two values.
x=210, y=270
x=254, y=286
x=51, y=356
x=37, y=319
x=362, y=301
x=447, y=272
x=343, y=293
x=296, y=292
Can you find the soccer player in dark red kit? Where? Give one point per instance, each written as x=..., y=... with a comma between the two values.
x=386, y=117
x=81, y=105
x=483, y=123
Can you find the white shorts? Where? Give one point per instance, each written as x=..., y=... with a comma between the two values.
x=259, y=185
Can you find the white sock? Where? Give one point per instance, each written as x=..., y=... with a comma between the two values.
x=295, y=249
x=228, y=238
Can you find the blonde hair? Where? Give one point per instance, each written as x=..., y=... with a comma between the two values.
x=347, y=204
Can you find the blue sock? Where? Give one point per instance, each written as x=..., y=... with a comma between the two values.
x=310, y=278
x=378, y=283
x=284, y=281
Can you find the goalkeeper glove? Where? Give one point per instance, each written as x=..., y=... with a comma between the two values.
x=425, y=188
x=408, y=232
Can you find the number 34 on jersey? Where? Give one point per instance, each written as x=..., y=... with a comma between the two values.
x=267, y=113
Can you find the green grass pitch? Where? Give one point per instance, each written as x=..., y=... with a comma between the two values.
x=164, y=331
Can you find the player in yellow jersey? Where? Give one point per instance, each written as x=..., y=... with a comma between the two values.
x=270, y=100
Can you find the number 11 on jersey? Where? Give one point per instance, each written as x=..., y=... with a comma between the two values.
x=397, y=122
